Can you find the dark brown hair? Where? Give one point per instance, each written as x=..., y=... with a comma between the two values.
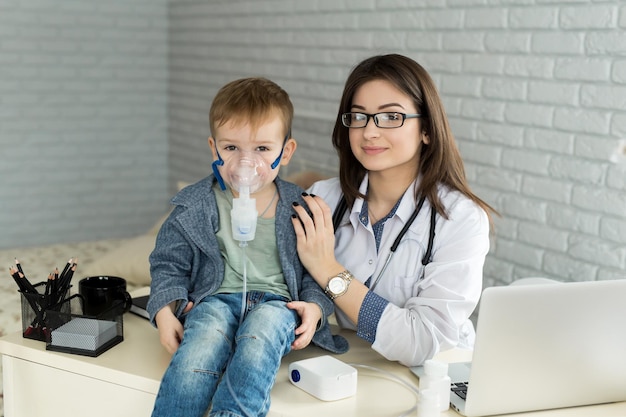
x=440, y=160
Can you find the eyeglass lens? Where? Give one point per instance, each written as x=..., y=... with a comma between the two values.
x=382, y=120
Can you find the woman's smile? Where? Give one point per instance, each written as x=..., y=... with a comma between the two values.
x=373, y=150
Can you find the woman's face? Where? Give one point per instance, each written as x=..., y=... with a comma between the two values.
x=386, y=150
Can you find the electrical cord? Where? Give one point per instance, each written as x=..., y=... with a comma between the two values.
x=411, y=411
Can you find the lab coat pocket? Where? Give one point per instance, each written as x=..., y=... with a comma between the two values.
x=407, y=260
x=405, y=286
x=407, y=268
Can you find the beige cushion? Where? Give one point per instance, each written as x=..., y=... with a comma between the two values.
x=157, y=226
x=305, y=178
x=129, y=261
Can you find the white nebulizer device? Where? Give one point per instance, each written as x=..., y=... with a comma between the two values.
x=245, y=173
x=243, y=217
x=324, y=377
x=245, y=178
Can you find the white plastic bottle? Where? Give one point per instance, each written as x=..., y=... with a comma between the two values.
x=436, y=379
x=427, y=403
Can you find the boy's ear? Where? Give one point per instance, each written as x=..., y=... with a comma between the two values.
x=288, y=150
x=212, y=145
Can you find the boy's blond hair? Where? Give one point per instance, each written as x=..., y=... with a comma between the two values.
x=250, y=101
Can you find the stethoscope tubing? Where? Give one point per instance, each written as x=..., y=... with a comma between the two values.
x=342, y=207
x=397, y=241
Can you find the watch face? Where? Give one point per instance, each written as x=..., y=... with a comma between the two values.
x=336, y=285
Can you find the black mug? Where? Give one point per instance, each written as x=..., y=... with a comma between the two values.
x=104, y=296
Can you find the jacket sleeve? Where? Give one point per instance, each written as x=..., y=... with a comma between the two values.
x=311, y=292
x=170, y=263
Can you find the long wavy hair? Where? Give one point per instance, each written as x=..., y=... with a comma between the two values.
x=439, y=162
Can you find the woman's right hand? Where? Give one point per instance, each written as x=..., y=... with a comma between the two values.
x=316, y=248
x=316, y=238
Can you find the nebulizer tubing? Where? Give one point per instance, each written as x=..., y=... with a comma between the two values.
x=243, y=215
x=243, y=172
x=242, y=244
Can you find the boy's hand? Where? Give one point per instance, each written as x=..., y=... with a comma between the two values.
x=170, y=328
x=310, y=314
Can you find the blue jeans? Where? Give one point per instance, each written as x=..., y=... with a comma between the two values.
x=225, y=365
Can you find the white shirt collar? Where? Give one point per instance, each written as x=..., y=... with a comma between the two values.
x=407, y=205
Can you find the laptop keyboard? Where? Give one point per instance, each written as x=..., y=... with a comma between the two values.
x=460, y=389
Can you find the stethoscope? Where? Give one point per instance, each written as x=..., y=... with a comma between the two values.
x=341, y=209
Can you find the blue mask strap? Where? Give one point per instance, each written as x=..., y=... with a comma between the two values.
x=277, y=161
x=218, y=162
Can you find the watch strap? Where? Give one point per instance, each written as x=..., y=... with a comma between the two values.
x=346, y=276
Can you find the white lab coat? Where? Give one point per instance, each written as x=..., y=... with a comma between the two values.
x=424, y=315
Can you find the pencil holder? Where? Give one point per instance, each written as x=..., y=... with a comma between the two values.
x=70, y=331
x=35, y=306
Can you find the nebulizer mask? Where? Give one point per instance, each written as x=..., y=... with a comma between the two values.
x=245, y=172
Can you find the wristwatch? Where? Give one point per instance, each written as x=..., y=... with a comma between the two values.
x=338, y=284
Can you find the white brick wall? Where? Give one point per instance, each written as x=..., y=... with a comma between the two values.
x=535, y=90
x=83, y=119
x=97, y=97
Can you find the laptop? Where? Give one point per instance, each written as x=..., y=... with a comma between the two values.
x=544, y=346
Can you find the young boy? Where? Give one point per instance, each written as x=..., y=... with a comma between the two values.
x=229, y=311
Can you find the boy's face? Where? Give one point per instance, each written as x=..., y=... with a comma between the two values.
x=232, y=140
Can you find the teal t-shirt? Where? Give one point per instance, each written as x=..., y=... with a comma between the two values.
x=264, y=271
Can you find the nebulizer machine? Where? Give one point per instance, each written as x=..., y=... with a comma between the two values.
x=245, y=175
x=245, y=172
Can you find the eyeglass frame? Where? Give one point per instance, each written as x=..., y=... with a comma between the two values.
x=375, y=118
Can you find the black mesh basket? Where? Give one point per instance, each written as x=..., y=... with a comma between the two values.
x=35, y=307
x=70, y=331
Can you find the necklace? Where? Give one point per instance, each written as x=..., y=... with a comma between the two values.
x=373, y=219
x=270, y=204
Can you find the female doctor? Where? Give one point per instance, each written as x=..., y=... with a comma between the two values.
x=404, y=267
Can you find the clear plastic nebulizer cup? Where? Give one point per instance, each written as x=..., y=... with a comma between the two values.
x=245, y=172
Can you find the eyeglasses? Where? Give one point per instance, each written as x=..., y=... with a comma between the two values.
x=384, y=120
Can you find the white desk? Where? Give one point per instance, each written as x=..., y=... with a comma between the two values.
x=124, y=380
